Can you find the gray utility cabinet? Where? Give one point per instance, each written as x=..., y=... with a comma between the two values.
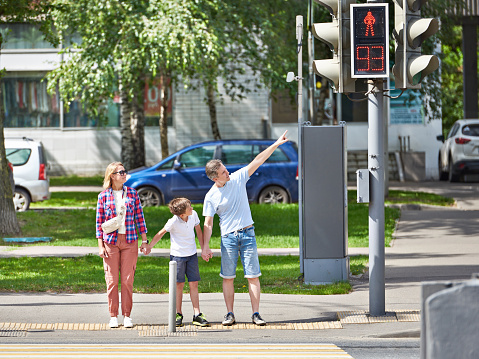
x=325, y=215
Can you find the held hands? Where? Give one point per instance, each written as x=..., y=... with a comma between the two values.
x=145, y=248
x=206, y=253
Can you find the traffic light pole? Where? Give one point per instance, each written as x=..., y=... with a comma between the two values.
x=299, y=38
x=376, y=165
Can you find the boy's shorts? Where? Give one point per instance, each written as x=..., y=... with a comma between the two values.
x=186, y=266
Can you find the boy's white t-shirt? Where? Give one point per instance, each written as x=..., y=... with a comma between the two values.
x=182, y=235
x=230, y=202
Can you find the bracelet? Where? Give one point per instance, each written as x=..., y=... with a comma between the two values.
x=147, y=242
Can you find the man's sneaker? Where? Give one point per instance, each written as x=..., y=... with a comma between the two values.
x=200, y=320
x=113, y=322
x=179, y=320
x=127, y=322
x=257, y=319
x=229, y=319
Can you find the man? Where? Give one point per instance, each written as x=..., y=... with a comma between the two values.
x=228, y=198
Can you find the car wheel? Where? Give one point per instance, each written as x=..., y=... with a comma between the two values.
x=443, y=176
x=149, y=197
x=21, y=200
x=452, y=176
x=273, y=195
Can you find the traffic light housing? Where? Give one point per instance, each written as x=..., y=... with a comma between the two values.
x=336, y=34
x=410, y=31
x=370, y=40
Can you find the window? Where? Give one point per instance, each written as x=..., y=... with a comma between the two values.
x=197, y=157
x=471, y=130
x=27, y=104
x=23, y=36
x=277, y=156
x=18, y=156
x=236, y=154
x=167, y=165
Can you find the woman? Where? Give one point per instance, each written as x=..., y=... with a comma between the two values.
x=119, y=249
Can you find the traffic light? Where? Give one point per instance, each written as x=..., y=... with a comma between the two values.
x=411, y=30
x=370, y=40
x=336, y=35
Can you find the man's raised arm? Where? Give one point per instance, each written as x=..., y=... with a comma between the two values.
x=263, y=156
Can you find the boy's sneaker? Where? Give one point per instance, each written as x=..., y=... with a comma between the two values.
x=113, y=322
x=179, y=320
x=257, y=319
x=229, y=319
x=200, y=320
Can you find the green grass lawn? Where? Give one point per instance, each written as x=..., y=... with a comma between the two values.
x=85, y=274
x=276, y=226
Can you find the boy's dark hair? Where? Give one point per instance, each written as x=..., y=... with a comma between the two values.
x=178, y=205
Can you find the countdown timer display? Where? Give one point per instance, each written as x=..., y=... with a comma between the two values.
x=369, y=40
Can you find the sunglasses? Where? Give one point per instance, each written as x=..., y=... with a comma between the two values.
x=121, y=173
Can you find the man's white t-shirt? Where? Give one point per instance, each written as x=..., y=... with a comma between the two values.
x=230, y=202
x=182, y=235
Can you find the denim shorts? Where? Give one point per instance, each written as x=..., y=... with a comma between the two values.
x=186, y=266
x=241, y=243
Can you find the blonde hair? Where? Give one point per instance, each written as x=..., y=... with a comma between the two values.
x=108, y=172
x=178, y=206
x=212, y=168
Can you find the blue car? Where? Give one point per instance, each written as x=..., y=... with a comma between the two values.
x=182, y=174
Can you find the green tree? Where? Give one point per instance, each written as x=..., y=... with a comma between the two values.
x=123, y=44
x=26, y=11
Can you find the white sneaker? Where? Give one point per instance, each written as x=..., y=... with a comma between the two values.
x=127, y=323
x=113, y=322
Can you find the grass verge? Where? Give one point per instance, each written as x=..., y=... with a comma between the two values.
x=85, y=274
x=275, y=226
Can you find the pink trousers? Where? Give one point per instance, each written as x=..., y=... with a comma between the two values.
x=121, y=261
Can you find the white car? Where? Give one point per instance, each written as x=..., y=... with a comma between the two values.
x=29, y=171
x=459, y=153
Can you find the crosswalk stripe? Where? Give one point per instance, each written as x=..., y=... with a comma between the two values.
x=93, y=351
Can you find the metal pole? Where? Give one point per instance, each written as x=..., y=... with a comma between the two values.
x=376, y=165
x=172, y=298
x=312, y=81
x=299, y=38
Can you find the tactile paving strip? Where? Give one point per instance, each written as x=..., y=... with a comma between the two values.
x=12, y=333
x=363, y=317
x=162, y=328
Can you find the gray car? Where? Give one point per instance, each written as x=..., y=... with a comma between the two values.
x=459, y=153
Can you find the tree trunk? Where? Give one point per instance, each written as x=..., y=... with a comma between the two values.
x=8, y=217
x=163, y=119
x=212, y=107
x=138, y=127
x=127, y=148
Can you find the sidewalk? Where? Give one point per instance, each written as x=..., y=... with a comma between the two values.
x=429, y=245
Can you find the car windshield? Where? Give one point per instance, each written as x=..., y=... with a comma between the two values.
x=18, y=156
x=471, y=130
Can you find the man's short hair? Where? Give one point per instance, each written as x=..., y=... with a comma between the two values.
x=212, y=168
x=179, y=205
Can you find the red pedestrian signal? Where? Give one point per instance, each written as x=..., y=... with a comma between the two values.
x=369, y=40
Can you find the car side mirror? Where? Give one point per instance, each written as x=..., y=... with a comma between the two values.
x=176, y=165
x=440, y=138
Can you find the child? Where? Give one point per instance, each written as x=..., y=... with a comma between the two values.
x=183, y=250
